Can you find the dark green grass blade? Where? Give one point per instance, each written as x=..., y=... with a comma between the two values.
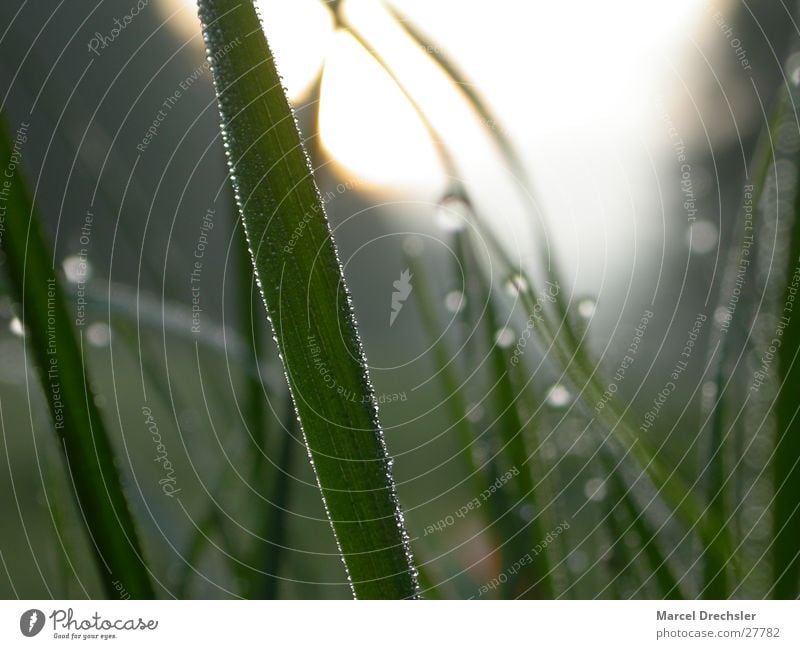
x=301, y=281
x=62, y=372
x=621, y=497
x=454, y=399
x=275, y=523
x=786, y=462
x=510, y=429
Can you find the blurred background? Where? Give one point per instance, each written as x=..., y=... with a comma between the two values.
x=610, y=106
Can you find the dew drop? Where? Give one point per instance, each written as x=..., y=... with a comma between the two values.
x=558, y=396
x=595, y=489
x=451, y=214
x=76, y=269
x=475, y=412
x=722, y=315
x=577, y=561
x=586, y=308
x=504, y=337
x=702, y=237
x=527, y=513
x=516, y=284
x=16, y=328
x=98, y=334
x=793, y=67
x=412, y=245
x=454, y=301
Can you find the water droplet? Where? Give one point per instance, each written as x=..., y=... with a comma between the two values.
x=793, y=68
x=454, y=301
x=558, y=396
x=452, y=213
x=516, y=284
x=15, y=327
x=76, y=269
x=586, y=308
x=475, y=412
x=722, y=315
x=413, y=246
x=98, y=334
x=505, y=337
x=527, y=513
x=702, y=237
x=577, y=561
x=595, y=489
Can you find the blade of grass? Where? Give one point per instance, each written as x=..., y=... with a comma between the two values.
x=668, y=584
x=59, y=359
x=301, y=282
x=715, y=572
x=454, y=399
x=510, y=429
x=275, y=523
x=786, y=459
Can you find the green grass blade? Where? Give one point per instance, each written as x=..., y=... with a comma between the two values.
x=301, y=281
x=62, y=372
x=467, y=89
x=621, y=497
x=510, y=429
x=275, y=523
x=786, y=460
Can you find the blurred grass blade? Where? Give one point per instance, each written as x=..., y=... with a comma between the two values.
x=467, y=89
x=786, y=460
x=276, y=525
x=510, y=430
x=562, y=337
x=621, y=497
x=59, y=359
x=301, y=281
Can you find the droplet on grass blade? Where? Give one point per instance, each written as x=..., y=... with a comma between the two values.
x=15, y=327
x=98, y=334
x=558, y=396
x=452, y=213
x=586, y=308
x=76, y=269
x=595, y=489
x=454, y=301
x=504, y=337
x=516, y=284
